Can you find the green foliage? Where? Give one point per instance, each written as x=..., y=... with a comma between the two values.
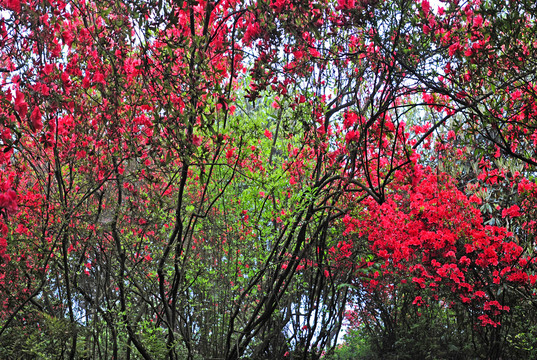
x=41, y=336
x=355, y=346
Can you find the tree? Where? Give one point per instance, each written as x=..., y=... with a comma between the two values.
x=222, y=179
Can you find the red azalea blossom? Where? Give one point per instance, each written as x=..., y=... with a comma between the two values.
x=36, y=116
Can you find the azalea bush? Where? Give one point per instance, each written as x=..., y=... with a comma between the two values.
x=227, y=179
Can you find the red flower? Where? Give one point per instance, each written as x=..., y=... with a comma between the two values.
x=478, y=21
x=20, y=105
x=67, y=37
x=513, y=211
x=425, y=6
x=36, y=116
x=352, y=136
x=14, y=5
x=349, y=120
